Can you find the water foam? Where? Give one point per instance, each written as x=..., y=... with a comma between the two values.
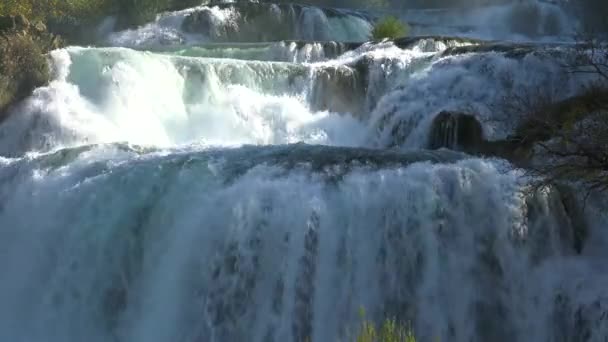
x=107, y=95
x=167, y=29
x=528, y=20
x=172, y=247
x=380, y=94
x=486, y=85
x=233, y=22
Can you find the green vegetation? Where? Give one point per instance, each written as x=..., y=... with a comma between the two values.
x=44, y=10
x=389, y=27
x=23, y=66
x=129, y=12
x=389, y=331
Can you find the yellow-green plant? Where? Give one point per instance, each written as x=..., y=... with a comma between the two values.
x=389, y=331
x=45, y=9
x=390, y=27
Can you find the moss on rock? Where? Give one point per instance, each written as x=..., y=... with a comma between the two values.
x=23, y=64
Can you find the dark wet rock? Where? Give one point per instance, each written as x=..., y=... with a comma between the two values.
x=256, y=22
x=408, y=42
x=547, y=217
x=7, y=23
x=21, y=22
x=17, y=22
x=464, y=132
x=331, y=49
x=508, y=49
x=457, y=131
x=201, y=21
x=339, y=89
x=575, y=211
x=70, y=29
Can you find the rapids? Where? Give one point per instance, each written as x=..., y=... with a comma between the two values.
x=216, y=181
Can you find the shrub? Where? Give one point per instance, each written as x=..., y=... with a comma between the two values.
x=389, y=27
x=23, y=67
x=130, y=12
x=43, y=10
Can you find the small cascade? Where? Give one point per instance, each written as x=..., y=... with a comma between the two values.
x=511, y=20
x=283, y=51
x=103, y=95
x=270, y=22
x=247, y=22
x=484, y=81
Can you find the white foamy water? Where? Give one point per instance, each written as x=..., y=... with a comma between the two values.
x=161, y=248
x=167, y=29
x=108, y=95
x=232, y=22
x=527, y=20
x=377, y=95
x=277, y=52
x=489, y=85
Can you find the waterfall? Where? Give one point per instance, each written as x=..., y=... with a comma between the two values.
x=180, y=247
x=247, y=22
x=209, y=178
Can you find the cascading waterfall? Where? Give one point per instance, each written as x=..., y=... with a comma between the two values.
x=104, y=95
x=110, y=98
x=267, y=191
x=526, y=20
x=284, y=51
x=486, y=84
x=247, y=22
x=179, y=247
